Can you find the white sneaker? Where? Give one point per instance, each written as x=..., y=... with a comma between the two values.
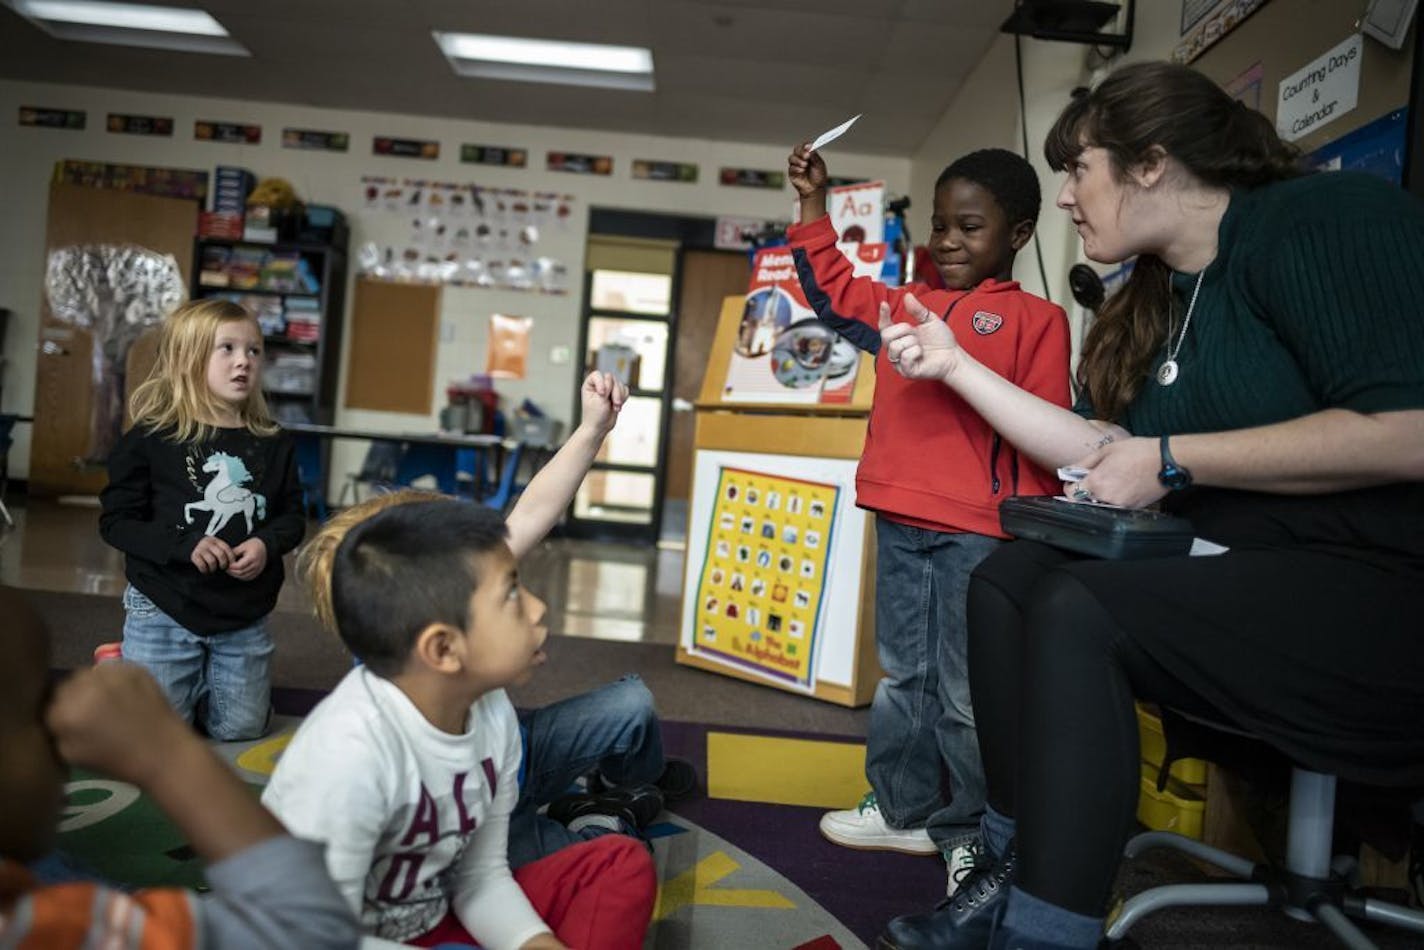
x=863, y=828
x=959, y=862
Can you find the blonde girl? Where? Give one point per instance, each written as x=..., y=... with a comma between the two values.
x=203, y=500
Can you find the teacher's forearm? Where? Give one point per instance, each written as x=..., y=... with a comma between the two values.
x=1048, y=434
x=1333, y=450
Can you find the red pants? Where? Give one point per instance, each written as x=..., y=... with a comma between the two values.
x=595, y=895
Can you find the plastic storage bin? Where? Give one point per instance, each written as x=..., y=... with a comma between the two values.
x=1154, y=749
x=1177, y=808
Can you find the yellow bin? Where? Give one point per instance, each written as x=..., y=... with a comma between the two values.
x=1176, y=808
x=1154, y=749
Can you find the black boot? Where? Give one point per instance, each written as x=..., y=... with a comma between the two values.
x=962, y=922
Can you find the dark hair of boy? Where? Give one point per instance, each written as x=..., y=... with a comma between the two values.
x=1004, y=174
x=405, y=568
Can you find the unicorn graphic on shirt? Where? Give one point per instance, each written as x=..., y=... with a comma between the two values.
x=225, y=495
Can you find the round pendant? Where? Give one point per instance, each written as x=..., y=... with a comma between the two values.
x=1167, y=373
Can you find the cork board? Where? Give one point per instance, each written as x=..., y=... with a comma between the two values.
x=395, y=329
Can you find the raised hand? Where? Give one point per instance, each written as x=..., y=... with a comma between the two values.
x=924, y=348
x=602, y=395
x=806, y=171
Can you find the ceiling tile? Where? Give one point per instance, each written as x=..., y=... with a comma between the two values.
x=761, y=71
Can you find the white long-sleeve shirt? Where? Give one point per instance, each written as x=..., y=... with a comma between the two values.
x=415, y=820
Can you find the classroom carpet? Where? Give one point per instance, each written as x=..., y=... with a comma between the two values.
x=756, y=832
x=740, y=866
x=734, y=873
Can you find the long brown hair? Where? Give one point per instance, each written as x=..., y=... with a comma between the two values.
x=176, y=396
x=1218, y=139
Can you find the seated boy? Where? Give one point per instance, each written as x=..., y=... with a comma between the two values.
x=408, y=770
x=609, y=735
x=268, y=889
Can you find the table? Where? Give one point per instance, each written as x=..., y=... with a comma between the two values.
x=441, y=455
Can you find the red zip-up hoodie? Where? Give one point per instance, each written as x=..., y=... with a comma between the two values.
x=929, y=459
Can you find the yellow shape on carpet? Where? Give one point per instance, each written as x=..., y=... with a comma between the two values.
x=785, y=771
x=262, y=758
x=694, y=886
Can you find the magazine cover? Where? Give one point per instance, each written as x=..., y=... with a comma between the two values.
x=783, y=354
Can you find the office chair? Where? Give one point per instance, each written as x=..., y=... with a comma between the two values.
x=1312, y=886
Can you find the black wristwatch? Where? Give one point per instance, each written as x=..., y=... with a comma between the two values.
x=1173, y=477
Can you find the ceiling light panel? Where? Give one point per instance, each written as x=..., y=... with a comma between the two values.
x=130, y=24
x=533, y=60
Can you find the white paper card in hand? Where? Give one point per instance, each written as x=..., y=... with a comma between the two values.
x=1201, y=547
x=826, y=138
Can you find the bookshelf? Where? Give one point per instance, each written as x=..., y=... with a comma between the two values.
x=296, y=290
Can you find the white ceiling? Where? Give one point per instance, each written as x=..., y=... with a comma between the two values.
x=763, y=71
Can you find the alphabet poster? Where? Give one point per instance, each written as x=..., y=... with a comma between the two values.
x=857, y=212
x=763, y=579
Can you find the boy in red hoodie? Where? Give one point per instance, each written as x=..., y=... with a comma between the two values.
x=934, y=473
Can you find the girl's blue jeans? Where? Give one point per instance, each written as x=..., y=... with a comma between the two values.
x=224, y=681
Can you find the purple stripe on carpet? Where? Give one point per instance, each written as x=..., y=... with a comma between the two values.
x=862, y=889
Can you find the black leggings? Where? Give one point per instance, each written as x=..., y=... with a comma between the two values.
x=1053, y=678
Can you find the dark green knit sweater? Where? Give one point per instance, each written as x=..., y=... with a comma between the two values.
x=1315, y=300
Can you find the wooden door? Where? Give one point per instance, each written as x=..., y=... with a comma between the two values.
x=708, y=277
x=63, y=379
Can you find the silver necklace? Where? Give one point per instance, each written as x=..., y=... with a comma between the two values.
x=1167, y=372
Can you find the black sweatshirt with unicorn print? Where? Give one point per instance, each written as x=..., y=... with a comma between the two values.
x=163, y=496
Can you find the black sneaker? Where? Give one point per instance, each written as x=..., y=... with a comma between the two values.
x=677, y=782
x=962, y=922
x=634, y=806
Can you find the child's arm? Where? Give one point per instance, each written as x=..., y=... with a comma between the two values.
x=486, y=899
x=126, y=520
x=551, y=490
x=268, y=889
x=848, y=304
x=285, y=524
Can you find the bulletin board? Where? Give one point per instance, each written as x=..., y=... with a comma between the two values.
x=1285, y=35
x=395, y=329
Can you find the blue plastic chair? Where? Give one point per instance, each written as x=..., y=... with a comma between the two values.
x=311, y=473
x=471, y=474
x=508, y=489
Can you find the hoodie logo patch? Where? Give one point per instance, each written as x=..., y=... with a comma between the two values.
x=985, y=323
